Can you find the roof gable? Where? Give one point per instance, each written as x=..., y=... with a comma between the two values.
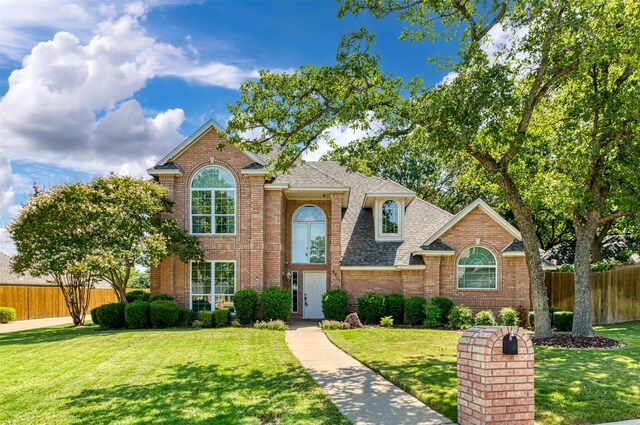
x=465, y=211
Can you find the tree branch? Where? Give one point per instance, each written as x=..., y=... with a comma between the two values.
x=617, y=215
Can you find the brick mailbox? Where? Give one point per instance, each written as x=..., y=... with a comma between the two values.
x=495, y=376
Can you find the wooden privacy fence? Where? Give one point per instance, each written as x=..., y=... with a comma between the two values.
x=615, y=294
x=39, y=302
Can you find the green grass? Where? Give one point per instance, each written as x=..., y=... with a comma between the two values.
x=571, y=387
x=222, y=376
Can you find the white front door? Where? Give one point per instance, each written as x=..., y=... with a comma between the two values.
x=314, y=285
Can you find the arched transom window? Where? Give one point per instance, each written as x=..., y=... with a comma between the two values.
x=390, y=218
x=477, y=269
x=213, y=202
x=309, y=230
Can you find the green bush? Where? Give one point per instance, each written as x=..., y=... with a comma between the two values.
x=335, y=305
x=111, y=316
x=235, y=323
x=532, y=318
x=221, y=318
x=445, y=305
x=136, y=315
x=563, y=320
x=94, y=315
x=509, y=317
x=271, y=325
x=7, y=314
x=276, y=304
x=206, y=317
x=395, y=307
x=246, y=304
x=433, y=315
x=386, y=321
x=460, y=317
x=552, y=310
x=185, y=318
x=164, y=314
x=414, y=310
x=197, y=324
x=484, y=318
x=329, y=325
x=371, y=308
x=160, y=297
x=137, y=295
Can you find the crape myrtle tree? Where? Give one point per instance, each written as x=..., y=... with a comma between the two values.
x=484, y=110
x=136, y=229
x=54, y=235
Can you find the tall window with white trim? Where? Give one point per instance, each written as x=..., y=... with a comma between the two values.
x=213, y=202
x=390, y=218
x=477, y=269
x=213, y=284
x=309, y=236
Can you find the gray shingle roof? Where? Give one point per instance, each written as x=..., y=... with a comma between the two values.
x=8, y=277
x=167, y=166
x=253, y=166
x=436, y=245
x=514, y=246
x=308, y=175
x=359, y=247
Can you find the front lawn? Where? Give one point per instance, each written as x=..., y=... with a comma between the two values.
x=571, y=387
x=222, y=376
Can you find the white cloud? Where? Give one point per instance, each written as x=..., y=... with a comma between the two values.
x=447, y=79
x=341, y=135
x=71, y=102
x=6, y=185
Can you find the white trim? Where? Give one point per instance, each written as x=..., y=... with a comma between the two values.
x=213, y=277
x=164, y=172
x=213, y=191
x=254, y=172
x=371, y=198
x=195, y=136
x=309, y=231
x=412, y=267
x=513, y=254
x=377, y=220
x=469, y=266
x=466, y=210
x=433, y=253
x=275, y=186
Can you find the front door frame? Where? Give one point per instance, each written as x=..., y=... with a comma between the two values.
x=304, y=292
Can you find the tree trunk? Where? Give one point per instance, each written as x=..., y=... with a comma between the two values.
x=121, y=293
x=596, y=243
x=77, y=294
x=585, y=229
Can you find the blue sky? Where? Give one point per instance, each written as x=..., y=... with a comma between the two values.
x=92, y=87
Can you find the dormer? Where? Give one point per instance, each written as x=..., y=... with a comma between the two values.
x=389, y=213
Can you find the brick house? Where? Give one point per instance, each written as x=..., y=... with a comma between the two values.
x=321, y=227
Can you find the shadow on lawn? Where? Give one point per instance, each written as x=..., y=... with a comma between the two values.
x=199, y=394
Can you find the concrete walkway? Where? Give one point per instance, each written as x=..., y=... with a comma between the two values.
x=362, y=395
x=629, y=422
x=23, y=325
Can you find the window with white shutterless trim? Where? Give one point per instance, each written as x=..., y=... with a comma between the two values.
x=309, y=236
x=212, y=284
x=213, y=202
x=294, y=292
x=390, y=214
x=477, y=269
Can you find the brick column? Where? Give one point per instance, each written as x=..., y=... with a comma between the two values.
x=431, y=276
x=495, y=388
x=256, y=244
x=335, y=248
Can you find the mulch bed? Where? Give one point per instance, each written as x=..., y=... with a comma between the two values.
x=569, y=341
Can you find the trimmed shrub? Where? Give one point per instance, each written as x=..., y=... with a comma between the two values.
x=164, y=314
x=94, y=315
x=414, y=309
x=433, y=315
x=484, y=318
x=445, y=305
x=111, y=316
x=371, y=307
x=523, y=316
x=221, y=318
x=136, y=315
x=509, y=317
x=7, y=314
x=206, y=317
x=395, y=307
x=353, y=320
x=271, y=325
x=386, y=321
x=197, y=324
x=276, y=304
x=185, y=317
x=552, y=310
x=460, y=317
x=246, y=304
x=137, y=295
x=563, y=320
x=235, y=324
x=160, y=297
x=335, y=305
x=329, y=325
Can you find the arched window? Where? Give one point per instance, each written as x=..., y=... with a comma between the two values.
x=213, y=202
x=309, y=230
x=390, y=218
x=477, y=269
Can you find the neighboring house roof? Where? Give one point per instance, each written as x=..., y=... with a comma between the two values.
x=9, y=277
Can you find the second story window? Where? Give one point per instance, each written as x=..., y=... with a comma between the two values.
x=390, y=218
x=309, y=234
x=213, y=202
